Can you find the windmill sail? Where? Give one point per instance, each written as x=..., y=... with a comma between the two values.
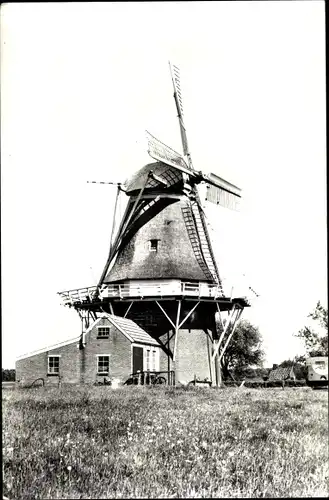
x=222, y=192
x=160, y=151
x=175, y=75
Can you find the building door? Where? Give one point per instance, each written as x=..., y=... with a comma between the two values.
x=137, y=359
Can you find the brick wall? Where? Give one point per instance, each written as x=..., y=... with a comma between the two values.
x=29, y=369
x=118, y=347
x=80, y=366
x=191, y=356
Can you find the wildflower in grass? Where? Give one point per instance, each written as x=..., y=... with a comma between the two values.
x=69, y=468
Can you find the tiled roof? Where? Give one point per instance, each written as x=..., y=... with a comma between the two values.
x=48, y=348
x=281, y=373
x=131, y=330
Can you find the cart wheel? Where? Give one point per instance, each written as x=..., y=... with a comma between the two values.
x=160, y=380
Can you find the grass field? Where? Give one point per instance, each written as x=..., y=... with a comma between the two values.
x=155, y=442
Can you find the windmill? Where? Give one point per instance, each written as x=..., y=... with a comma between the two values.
x=161, y=270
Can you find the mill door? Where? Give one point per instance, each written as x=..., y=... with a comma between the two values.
x=137, y=359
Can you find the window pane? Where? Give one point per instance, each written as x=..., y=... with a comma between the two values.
x=103, y=331
x=103, y=364
x=53, y=364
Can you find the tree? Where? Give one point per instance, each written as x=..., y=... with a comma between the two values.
x=244, y=349
x=8, y=375
x=316, y=342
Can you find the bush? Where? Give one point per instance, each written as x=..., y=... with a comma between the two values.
x=8, y=375
x=261, y=383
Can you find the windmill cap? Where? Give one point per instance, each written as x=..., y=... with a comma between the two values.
x=146, y=177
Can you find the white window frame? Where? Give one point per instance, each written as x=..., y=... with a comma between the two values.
x=49, y=372
x=97, y=364
x=103, y=336
x=154, y=360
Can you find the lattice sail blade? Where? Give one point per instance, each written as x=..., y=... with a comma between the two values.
x=222, y=192
x=160, y=151
x=221, y=197
x=175, y=74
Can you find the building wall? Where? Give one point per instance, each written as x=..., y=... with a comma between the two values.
x=118, y=347
x=33, y=367
x=80, y=365
x=191, y=357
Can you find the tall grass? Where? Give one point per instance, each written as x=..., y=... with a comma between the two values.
x=156, y=442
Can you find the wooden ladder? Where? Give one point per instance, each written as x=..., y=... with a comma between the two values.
x=196, y=242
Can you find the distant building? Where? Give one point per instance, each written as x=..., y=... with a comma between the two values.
x=281, y=374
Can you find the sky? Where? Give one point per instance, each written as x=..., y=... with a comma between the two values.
x=81, y=83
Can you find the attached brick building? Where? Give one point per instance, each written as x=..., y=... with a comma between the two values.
x=111, y=349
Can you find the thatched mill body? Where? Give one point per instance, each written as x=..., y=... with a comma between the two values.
x=161, y=270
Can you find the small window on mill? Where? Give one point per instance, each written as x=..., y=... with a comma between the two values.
x=103, y=332
x=153, y=245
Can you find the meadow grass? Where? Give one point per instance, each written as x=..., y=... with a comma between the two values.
x=158, y=442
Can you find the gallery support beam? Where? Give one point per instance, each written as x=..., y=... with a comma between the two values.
x=237, y=319
x=176, y=330
x=227, y=324
x=176, y=326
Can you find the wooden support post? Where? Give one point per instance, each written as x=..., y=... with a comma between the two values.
x=128, y=309
x=168, y=358
x=176, y=335
x=227, y=324
x=123, y=226
x=209, y=357
x=235, y=324
x=114, y=216
x=218, y=370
